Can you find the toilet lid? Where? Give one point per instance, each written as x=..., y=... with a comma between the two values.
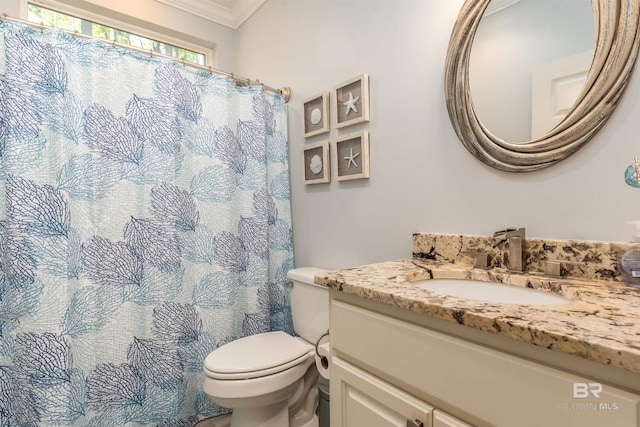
x=256, y=353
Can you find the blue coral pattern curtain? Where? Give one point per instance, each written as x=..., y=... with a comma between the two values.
x=144, y=221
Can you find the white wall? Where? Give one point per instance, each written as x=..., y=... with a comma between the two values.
x=422, y=178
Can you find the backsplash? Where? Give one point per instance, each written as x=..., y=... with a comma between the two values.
x=579, y=259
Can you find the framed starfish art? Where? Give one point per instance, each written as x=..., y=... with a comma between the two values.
x=351, y=157
x=315, y=159
x=316, y=114
x=351, y=101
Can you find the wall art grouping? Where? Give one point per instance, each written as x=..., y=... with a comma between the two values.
x=350, y=154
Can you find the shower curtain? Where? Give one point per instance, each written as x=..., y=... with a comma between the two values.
x=144, y=221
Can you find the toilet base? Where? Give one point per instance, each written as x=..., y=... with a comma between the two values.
x=297, y=411
x=217, y=421
x=313, y=422
x=268, y=416
x=302, y=409
x=292, y=406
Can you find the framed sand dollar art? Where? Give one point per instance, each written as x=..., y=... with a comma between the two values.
x=316, y=114
x=316, y=163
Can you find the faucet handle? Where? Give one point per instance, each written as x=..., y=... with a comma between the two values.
x=554, y=267
x=502, y=233
x=506, y=230
x=510, y=231
x=480, y=258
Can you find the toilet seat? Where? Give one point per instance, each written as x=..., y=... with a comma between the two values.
x=257, y=356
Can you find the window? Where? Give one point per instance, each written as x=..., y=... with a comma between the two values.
x=52, y=18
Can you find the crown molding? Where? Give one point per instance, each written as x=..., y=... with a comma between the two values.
x=230, y=17
x=243, y=9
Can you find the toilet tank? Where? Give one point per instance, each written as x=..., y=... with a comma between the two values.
x=309, y=304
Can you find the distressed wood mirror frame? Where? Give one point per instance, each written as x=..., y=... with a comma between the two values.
x=615, y=54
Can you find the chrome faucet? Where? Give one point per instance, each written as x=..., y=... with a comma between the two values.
x=513, y=259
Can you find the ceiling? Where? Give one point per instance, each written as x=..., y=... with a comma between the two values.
x=231, y=13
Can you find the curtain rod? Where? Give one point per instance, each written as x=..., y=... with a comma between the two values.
x=241, y=81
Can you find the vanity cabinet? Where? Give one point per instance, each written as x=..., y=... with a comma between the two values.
x=387, y=371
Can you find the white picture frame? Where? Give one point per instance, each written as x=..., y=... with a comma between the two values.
x=316, y=163
x=316, y=114
x=351, y=101
x=351, y=157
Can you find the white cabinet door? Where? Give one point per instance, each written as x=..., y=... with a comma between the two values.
x=442, y=419
x=364, y=400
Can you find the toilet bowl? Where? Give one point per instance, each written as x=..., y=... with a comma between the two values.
x=269, y=379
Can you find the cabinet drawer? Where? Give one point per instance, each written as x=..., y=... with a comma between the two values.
x=495, y=387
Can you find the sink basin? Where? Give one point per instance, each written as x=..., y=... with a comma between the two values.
x=490, y=292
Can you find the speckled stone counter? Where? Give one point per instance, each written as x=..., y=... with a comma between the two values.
x=600, y=323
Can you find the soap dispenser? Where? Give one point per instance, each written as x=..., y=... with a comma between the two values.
x=629, y=260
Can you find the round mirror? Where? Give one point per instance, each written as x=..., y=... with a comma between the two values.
x=528, y=64
x=594, y=97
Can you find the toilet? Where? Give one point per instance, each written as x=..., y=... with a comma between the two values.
x=270, y=379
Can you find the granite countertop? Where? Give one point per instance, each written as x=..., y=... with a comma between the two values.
x=601, y=323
